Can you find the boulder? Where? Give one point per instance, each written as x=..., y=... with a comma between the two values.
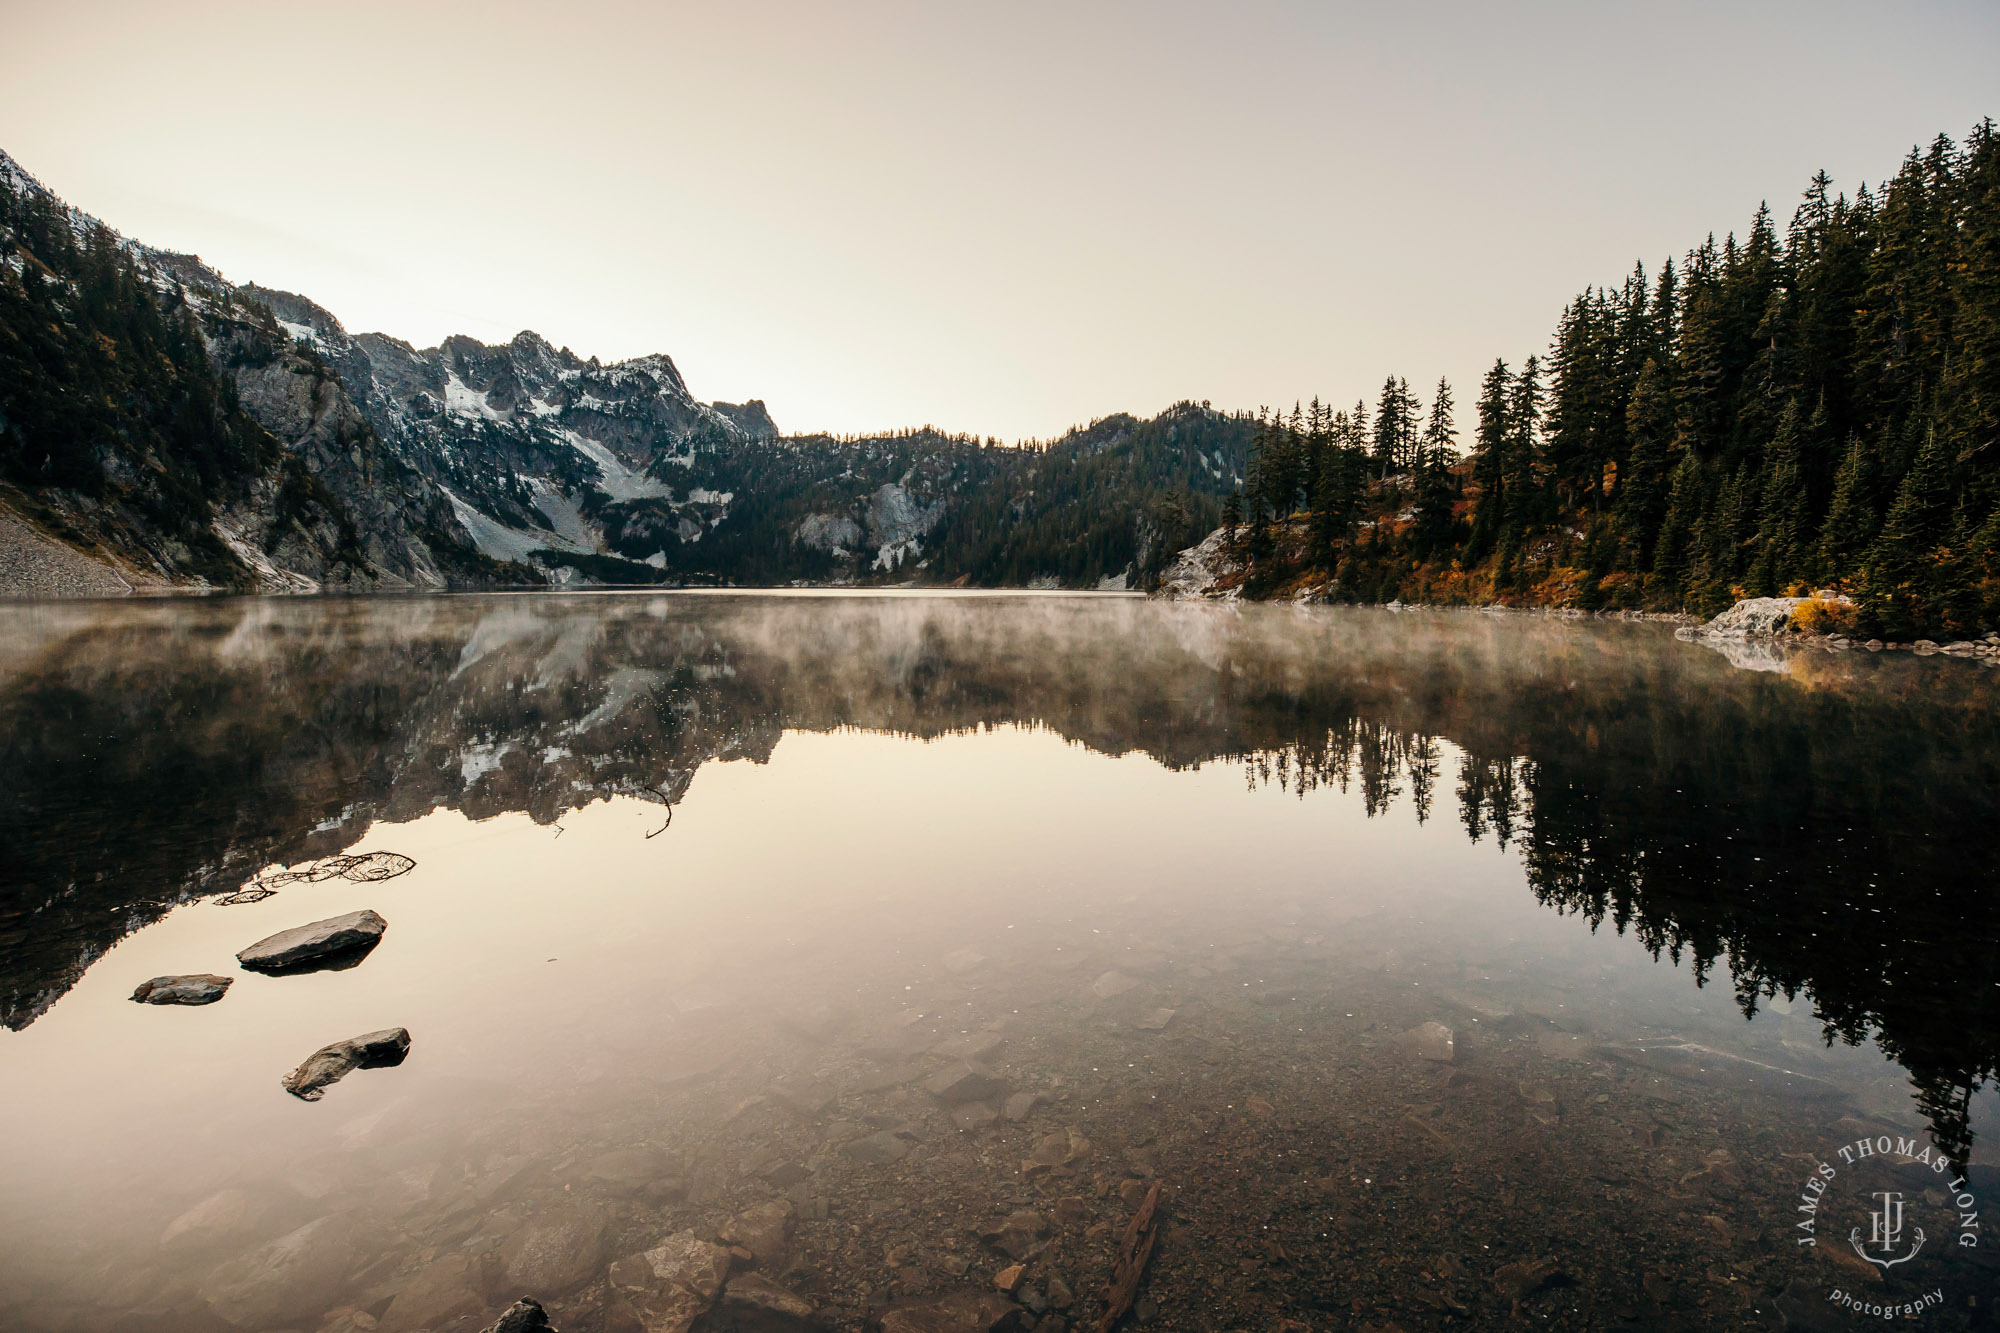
x=560, y=1248
x=685, y=1260
x=957, y=1312
x=765, y=1231
x=752, y=1303
x=193, y=988
x=330, y=1064
x=523, y=1316
x=336, y=937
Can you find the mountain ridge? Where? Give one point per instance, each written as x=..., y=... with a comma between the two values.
x=469, y=464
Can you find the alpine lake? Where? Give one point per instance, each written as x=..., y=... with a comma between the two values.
x=937, y=962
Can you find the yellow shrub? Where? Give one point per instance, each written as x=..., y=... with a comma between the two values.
x=1817, y=615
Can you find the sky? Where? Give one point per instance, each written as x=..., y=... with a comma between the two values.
x=999, y=219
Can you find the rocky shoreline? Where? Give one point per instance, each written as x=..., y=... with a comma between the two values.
x=1773, y=622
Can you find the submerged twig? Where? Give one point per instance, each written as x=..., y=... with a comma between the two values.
x=1130, y=1264
x=359, y=867
x=668, y=802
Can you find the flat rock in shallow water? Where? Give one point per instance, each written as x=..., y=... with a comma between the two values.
x=957, y=1312
x=288, y=1283
x=1432, y=1041
x=1704, y=1064
x=965, y=1082
x=330, y=1064
x=195, y=988
x=752, y=1303
x=337, y=936
x=558, y=1249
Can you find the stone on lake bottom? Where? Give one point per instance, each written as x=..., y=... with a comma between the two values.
x=973, y=1115
x=956, y=1312
x=685, y=1260
x=879, y=1149
x=963, y=960
x=965, y=1082
x=438, y=1295
x=1432, y=1041
x=753, y=1303
x=1112, y=983
x=1155, y=1021
x=557, y=1250
x=335, y=936
x=192, y=988
x=290, y=1282
x=523, y=1316
x=1021, y=1105
x=1018, y=1235
x=765, y=1231
x=330, y=1064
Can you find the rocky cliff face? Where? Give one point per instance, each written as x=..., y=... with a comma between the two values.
x=283, y=453
x=394, y=468
x=158, y=422
x=528, y=442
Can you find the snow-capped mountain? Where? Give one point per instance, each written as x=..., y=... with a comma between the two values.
x=270, y=448
x=529, y=442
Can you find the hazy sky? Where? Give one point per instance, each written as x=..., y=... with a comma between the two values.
x=1003, y=219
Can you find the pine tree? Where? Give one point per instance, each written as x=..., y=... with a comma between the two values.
x=1851, y=521
x=1900, y=594
x=1784, y=523
x=1440, y=443
x=1643, y=482
x=1489, y=462
x=1389, y=428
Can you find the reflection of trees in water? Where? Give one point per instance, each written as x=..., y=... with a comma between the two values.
x=1871, y=899
x=1821, y=833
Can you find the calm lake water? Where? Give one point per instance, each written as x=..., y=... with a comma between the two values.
x=1444, y=970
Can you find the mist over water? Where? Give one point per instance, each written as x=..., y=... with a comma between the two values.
x=709, y=889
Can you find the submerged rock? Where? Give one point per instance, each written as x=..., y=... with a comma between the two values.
x=193, y=988
x=668, y=1287
x=1113, y=983
x=330, y=1064
x=1018, y=1235
x=1432, y=1041
x=878, y=1149
x=765, y=1231
x=523, y=1316
x=685, y=1260
x=965, y=1082
x=335, y=937
x=438, y=1295
x=752, y=1303
x=957, y=1312
x=288, y=1283
x=558, y=1250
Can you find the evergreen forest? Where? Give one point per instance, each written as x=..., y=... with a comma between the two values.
x=1811, y=405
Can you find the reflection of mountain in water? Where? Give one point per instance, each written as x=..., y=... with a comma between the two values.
x=1824, y=833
